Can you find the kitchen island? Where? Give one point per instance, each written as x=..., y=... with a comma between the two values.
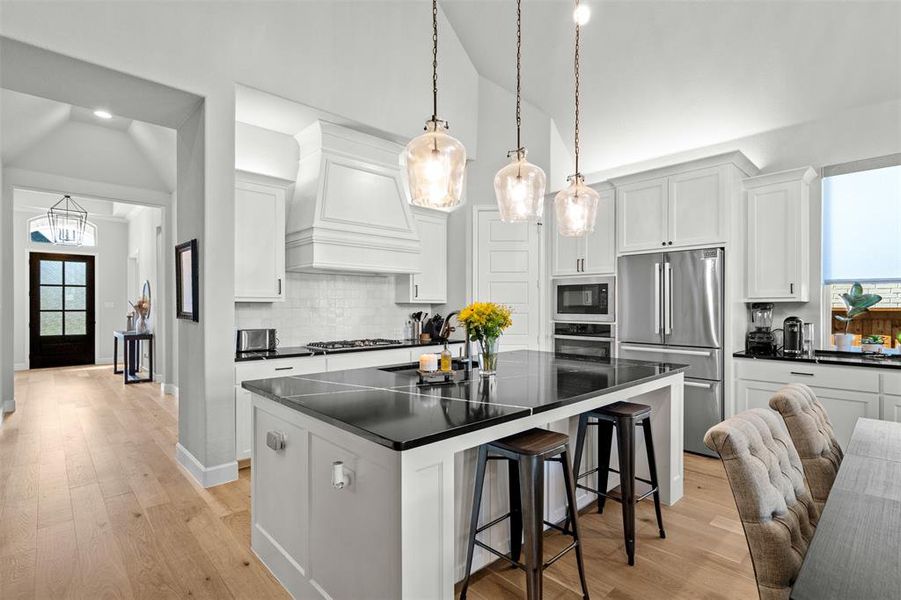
x=354, y=491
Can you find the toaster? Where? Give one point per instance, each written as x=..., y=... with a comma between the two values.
x=255, y=340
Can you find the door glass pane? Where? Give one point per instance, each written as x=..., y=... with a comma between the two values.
x=51, y=323
x=51, y=297
x=76, y=273
x=51, y=271
x=75, y=298
x=76, y=323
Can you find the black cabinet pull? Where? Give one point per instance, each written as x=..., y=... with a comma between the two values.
x=416, y=290
x=670, y=243
x=801, y=373
x=791, y=288
x=663, y=243
x=283, y=368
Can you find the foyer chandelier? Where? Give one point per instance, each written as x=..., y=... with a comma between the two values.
x=435, y=161
x=67, y=222
x=576, y=207
x=519, y=186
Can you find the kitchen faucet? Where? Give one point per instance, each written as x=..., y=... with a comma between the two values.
x=446, y=330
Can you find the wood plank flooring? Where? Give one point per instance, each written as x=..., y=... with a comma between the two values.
x=93, y=505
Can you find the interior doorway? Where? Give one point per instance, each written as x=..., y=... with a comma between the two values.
x=61, y=307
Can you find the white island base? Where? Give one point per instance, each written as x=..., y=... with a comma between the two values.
x=398, y=529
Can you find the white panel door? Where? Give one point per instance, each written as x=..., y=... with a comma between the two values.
x=773, y=242
x=600, y=248
x=641, y=215
x=696, y=211
x=508, y=273
x=259, y=242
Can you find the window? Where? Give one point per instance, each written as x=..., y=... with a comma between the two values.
x=39, y=232
x=862, y=243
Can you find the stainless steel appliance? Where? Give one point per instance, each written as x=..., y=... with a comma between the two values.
x=255, y=340
x=584, y=340
x=792, y=337
x=761, y=339
x=672, y=311
x=339, y=345
x=584, y=299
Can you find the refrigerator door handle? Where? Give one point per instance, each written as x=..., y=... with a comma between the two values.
x=657, y=298
x=667, y=299
x=666, y=349
x=706, y=386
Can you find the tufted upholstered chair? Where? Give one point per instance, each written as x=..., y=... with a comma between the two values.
x=809, y=427
x=774, y=504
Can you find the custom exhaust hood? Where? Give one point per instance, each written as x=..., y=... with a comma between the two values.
x=349, y=212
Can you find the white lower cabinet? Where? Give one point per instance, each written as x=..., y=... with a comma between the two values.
x=891, y=399
x=847, y=393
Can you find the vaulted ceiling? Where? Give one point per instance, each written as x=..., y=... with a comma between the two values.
x=661, y=77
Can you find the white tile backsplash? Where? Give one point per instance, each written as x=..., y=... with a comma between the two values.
x=322, y=307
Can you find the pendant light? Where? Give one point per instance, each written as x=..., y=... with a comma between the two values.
x=435, y=161
x=576, y=207
x=520, y=185
x=67, y=222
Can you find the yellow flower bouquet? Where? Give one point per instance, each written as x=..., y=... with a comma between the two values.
x=485, y=322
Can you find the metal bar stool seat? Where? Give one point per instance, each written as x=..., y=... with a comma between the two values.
x=625, y=417
x=526, y=454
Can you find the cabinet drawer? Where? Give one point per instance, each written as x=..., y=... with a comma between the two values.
x=891, y=383
x=279, y=367
x=368, y=358
x=840, y=378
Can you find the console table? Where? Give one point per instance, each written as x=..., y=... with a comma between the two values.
x=131, y=348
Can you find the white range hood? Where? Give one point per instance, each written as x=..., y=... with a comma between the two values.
x=349, y=212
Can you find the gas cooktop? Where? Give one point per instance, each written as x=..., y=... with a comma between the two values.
x=352, y=344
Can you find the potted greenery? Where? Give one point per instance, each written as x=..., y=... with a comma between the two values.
x=485, y=321
x=872, y=343
x=856, y=303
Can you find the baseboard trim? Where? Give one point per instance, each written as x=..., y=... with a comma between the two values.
x=20, y=367
x=206, y=476
x=169, y=388
x=9, y=406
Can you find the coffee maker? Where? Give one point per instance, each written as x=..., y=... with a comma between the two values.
x=761, y=340
x=792, y=336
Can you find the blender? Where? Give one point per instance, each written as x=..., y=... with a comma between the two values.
x=761, y=340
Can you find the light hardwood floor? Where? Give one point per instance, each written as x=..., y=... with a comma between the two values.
x=93, y=505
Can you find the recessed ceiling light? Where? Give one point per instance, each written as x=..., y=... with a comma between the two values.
x=582, y=14
x=103, y=114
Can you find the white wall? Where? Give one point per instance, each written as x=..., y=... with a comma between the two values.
x=142, y=246
x=266, y=152
x=110, y=294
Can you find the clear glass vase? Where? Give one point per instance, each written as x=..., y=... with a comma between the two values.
x=488, y=358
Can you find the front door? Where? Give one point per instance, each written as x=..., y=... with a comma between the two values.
x=61, y=299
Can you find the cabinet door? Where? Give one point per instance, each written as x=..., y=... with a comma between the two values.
x=243, y=424
x=774, y=242
x=696, y=208
x=259, y=242
x=430, y=284
x=369, y=358
x=568, y=254
x=600, y=248
x=641, y=215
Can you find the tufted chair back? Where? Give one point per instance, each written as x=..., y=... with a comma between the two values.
x=774, y=504
x=809, y=427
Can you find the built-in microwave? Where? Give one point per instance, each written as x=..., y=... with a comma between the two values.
x=584, y=299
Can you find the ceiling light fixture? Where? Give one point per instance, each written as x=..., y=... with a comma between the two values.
x=576, y=207
x=67, y=222
x=581, y=14
x=103, y=114
x=435, y=161
x=520, y=185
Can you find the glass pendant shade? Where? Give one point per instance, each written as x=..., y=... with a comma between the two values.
x=67, y=222
x=576, y=208
x=435, y=164
x=519, y=187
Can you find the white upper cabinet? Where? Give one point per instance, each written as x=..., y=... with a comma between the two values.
x=592, y=254
x=778, y=236
x=429, y=285
x=696, y=207
x=259, y=238
x=641, y=213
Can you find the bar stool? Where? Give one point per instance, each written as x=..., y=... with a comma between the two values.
x=526, y=454
x=625, y=417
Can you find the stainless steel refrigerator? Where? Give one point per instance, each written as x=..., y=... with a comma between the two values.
x=671, y=310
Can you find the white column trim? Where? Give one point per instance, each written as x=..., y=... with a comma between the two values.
x=206, y=476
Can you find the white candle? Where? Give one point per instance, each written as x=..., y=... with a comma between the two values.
x=428, y=362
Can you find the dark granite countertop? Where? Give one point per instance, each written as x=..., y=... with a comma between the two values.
x=891, y=360
x=387, y=406
x=301, y=351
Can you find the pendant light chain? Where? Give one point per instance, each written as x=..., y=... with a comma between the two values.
x=576, y=70
x=434, y=60
x=518, y=75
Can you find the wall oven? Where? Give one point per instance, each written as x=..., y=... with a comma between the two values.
x=584, y=340
x=584, y=299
